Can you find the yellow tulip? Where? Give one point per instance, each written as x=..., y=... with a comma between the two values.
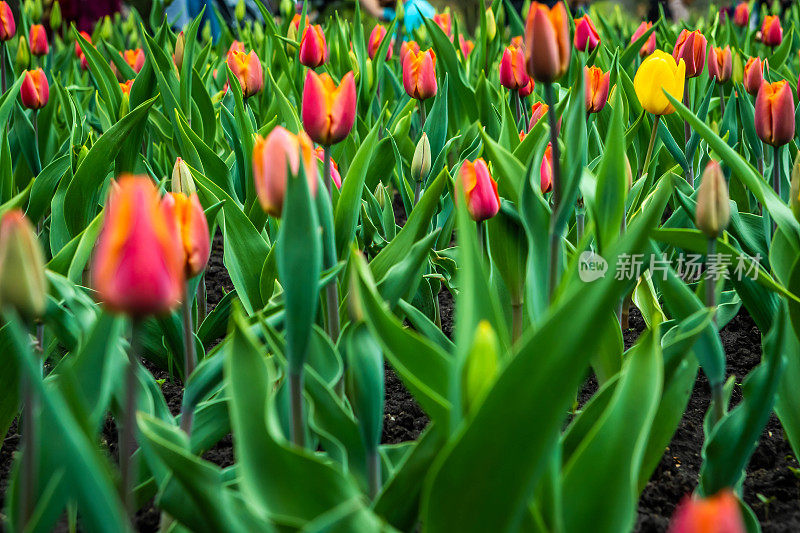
x=659, y=73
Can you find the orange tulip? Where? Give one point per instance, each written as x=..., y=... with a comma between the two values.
x=596, y=88
x=691, y=47
x=547, y=46
x=754, y=71
x=586, y=36
x=720, y=64
x=313, y=47
x=35, y=90
x=405, y=47
x=480, y=190
x=546, y=170
x=771, y=31
x=375, y=40
x=126, y=87
x=8, y=28
x=190, y=219
x=419, y=74
x=138, y=265
x=717, y=514
x=134, y=59
x=329, y=112
x=538, y=111
x=513, y=75
x=282, y=150
x=444, y=21
x=774, y=113
x=466, y=46
x=741, y=15
x=649, y=45
x=38, y=40
x=247, y=69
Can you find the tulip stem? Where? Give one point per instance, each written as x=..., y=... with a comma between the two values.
x=374, y=472
x=517, y=105
x=711, y=295
x=516, y=321
x=688, y=134
x=721, y=99
x=417, y=189
x=776, y=170
x=555, y=239
x=331, y=292
x=189, y=361
x=649, y=155
x=423, y=116
x=127, y=437
x=202, y=304
x=3, y=66
x=29, y=456
x=296, y=405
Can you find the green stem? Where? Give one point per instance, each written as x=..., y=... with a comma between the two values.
x=417, y=189
x=30, y=461
x=331, y=290
x=296, y=407
x=517, y=104
x=516, y=321
x=374, y=472
x=423, y=116
x=721, y=99
x=555, y=239
x=189, y=360
x=688, y=134
x=127, y=437
x=711, y=294
x=202, y=304
x=650, y=146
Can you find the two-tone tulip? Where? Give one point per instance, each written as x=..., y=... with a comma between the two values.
x=445, y=22
x=691, y=47
x=595, y=88
x=134, y=58
x=658, y=73
x=38, y=40
x=771, y=31
x=649, y=45
x=8, y=27
x=248, y=71
x=329, y=112
x=586, y=36
x=419, y=74
x=774, y=113
x=35, y=90
x=23, y=285
x=282, y=152
x=720, y=64
x=527, y=89
x=376, y=37
x=709, y=515
x=313, y=47
x=713, y=210
x=480, y=190
x=546, y=170
x=754, y=71
x=466, y=46
x=741, y=14
x=405, y=47
x=125, y=87
x=513, y=75
x=138, y=265
x=336, y=177
x=190, y=219
x=538, y=112
x=547, y=46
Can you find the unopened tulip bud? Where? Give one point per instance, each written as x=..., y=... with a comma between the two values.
x=192, y=225
x=480, y=190
x=35, y=90
x=491, y=25
x=313, y=47
x=771, y=31
x=419, y=74
x=754, y=71
x=38, y=39
x=180, y=45
x=421, y=164
x=444, y=21
x=720, y=64
x=586, y=36
x=547, y=46
x=23, y=285
x=794, y=193
x=248, y=71
x=182, y=180
x=329, y=112
x=482, y=364
x=466, y=46
x=546, y=170
x=595, y=88
x=36, y=9
x=134, y=59
x=375, y=40
x=713, y=211
x=691, y=47
x=774, y=113
x=239, y=11
x=741, y=15
x=55, y=15
x=23, y=59
x=649, y=45
x=719, y=513
x=8, y=27
x=628, y=174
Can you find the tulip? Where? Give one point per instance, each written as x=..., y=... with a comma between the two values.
x=405, y=47
x=190, y=219
x=247, y=69
x=237, y=46
x=466, y=46
x=546, y=170
x=741, y=15
x=491, y=24
x=771, y=31
x=138, y=266
x=481, y=366
x=335, y=176
x=719, y=513
x=596, y=89
x=180, y=45
x=375, y=40
x=691, y=47
x=518, y=42
x=134, y=59
x=419, y=74
x=294, y=29
x=720, y=64
x=38, y=40
x=55, y=15
x=586, y=36
x=35, y=90
x=421, y=164
x=23, y=285
x=480, y=190
x=329, y=112
x=547, y=47
x=774, y=113
x=23, y=58
x=273, y=157
x=754, y=71
x=313, y=47
x=794, y=191
x=527, y=90
x=182, y=180
x=513, y=75
x=657, y=73
x=8, y=28
x=713, y=211
x=538, y=111
x=649, y=45
x=444, y=21
x=78, y=49
x=125, y=87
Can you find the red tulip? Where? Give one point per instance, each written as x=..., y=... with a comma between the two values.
x=35, y=90
x=547, y=47
x=282, y=150
x=741, y=15
x=38, y=40
x=134, y=59
x=419, y=74
x=546, y=170
x=596, y=89
x=771, y=31
x=335, y=176
x=774, y=113
x=329, y=112
x=480, y=190
x=8, y=28
x=444, y=21
x=190, y=219
x=538, y=111
x=405, y=47
x=375, y=40
x=528, y=89
x=717, y=514
x=466, y=46
x=649, y=45
x=313, y=47
x=586, y=36
x=247, y=69
x=720, y=64
x=138, y=264
x=513, y=75
x=754, y=71
x=691, y=47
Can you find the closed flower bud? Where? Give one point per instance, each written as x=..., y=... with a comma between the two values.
x=717, y=514
x=8, y=27
x=754, y=71
x=421, y=164
x=38, y=39
x=691, y=47
x=596, y=89
x=55, y=15
x=23, y=58
x=720, y=64
x=513, y=75
x=313, y=47
x=35, y=90
x=125, y=87
x=482, y=365
x=329, y=112
x=466, y=46
x=586, y=36
x=281, y=152
x=190, y=219
x=491, y=25
x=134, y=59
x=23, y=285
x=774, y=113
x=444, y=21
x=335, y=176
x=657, y=73
x=547, y=46
x=794, y=193
x=546, y=170
x=771, y=31
x=741, y=15
x=480, y=190
x=180, y=45
x=419, y=74
x=649, y=45
x=138, y=262
x=239, y=11
x=182, y=180
x=713, y=211
x=375, y=40
x=247, y=69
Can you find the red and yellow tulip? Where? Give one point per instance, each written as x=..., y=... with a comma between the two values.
x=329, y=112
x=419, y=74
x=247, y=69
x=774, y=113
x=480, y=190
x=35, y=89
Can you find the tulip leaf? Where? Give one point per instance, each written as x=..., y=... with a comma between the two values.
x=104, y=77
x=781, y=53
x=609, y=204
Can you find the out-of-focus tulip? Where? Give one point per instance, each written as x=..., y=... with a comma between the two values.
x=546, y=170
x=444, y=21
x=691, y=47
x=519, y=42
x=134, y=59
x=38, y=40
x=247, y=69
x=771, y=31
x=513, y=75
x=55, y=15
x=35, y=90
x=405, y=47
x=375, y=39
x=421, y=164
x=466, y=46
x=741, y=15
x=774, y=113
x=586, y=36
x=313, y=47
x=182, y=180
x=527, y=90
x=481, y=366
x=720, y=64
x=138, y=264
x=596, y=88
x=78, y=49
x=717, y=514
x=794, y=191
x=547, y=46
x=329, y=112
x=8, y=27
x=180, y=45
x=491, y=25
x=538, y=111
x=419, y=74
x=649, y=45
x=713, y=211
x=23, y=58
x=657, y=73
x=754, y=71
x=193, y=230
x=237, y=46
x=23, y=285
x=480, y=190
x=336, y=177
x=273, y=157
